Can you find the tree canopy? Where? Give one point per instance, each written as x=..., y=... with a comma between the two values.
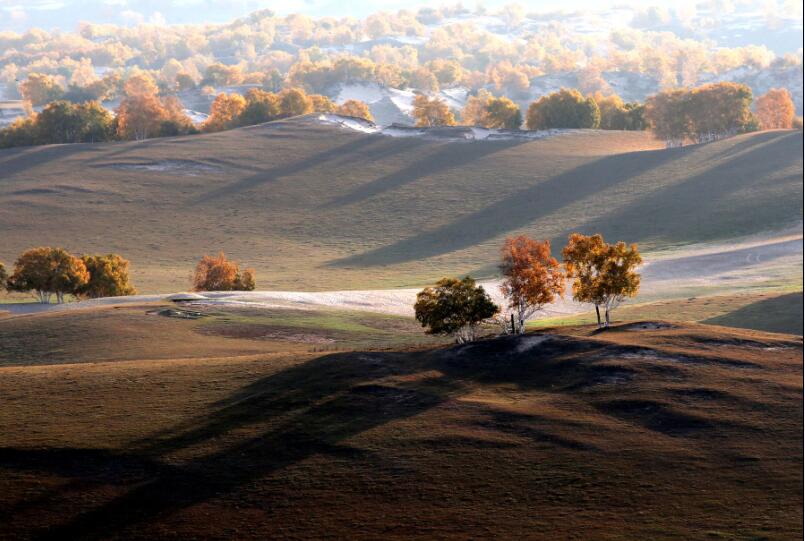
x=532, y=278
x=454, y=307
x=566, y=108
x=603, y=274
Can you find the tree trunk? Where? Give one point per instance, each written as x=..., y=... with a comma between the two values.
x=607, y=316
x=598, y=315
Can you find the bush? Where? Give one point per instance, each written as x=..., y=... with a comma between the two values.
x=108, y=277
x=454, y=307
x=220, y=274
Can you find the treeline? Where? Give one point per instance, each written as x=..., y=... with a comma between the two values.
x=233, y=110
x=426, y=49
x=49, y=272
x=54, y=272
x=678, y=117
x=602, y=274
x=704, y=113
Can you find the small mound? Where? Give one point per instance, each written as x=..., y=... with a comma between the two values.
x=647, y=326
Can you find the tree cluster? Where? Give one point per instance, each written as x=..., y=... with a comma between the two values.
x=49, y=272
x=257, y=106
x=217, y=273
x=701, y=114
x=602, y=274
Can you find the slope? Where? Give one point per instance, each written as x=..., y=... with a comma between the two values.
x=314, y=206
x=651, y=430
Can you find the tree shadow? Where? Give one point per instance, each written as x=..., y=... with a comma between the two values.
x=783, y=314
x=309, y=409
x=26, y=158
x=689, y=209
x=516, y=210
x=331, y=156
x=443, y=158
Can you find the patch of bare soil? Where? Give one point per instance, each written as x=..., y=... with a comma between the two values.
x=268, y=332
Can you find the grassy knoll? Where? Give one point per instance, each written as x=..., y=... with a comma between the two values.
x=682, y=432
x=772, y=311
x=317, y=207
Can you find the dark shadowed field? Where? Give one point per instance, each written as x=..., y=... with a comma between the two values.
x=296, y=425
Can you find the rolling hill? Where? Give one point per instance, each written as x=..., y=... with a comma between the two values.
x=125, y=424
x=315, y=206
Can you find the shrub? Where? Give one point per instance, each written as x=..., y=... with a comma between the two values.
x=454, y=307
x=220, y=274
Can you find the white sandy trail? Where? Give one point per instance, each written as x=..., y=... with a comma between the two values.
x=718, y=267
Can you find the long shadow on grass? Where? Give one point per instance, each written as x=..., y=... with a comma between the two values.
x=517, y=209
x=330, y=157
x=443, y=158
x=307, y=410
x=777, y=314
x=692, y=209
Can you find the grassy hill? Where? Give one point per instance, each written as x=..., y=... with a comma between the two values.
x=312, y=206
x=647, y=431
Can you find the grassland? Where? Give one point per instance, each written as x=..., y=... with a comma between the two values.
x=772, y=311
x=232, y=426
x=313, y=207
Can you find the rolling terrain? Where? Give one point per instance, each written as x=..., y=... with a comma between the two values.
x=132, y=423
x=318, y=207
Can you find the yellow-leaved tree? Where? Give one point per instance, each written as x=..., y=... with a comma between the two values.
x=603, y=274
x=431, y=112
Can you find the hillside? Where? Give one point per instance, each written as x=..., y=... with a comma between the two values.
x=314, y=206
x=130, y=425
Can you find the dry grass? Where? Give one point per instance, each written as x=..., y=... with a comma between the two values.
x=680, y=432
x=313, y=207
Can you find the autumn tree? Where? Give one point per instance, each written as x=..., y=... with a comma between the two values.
x=532, y=278
x=603, y=274
x=702, y=114
x=355, y=108
x=108, y=277
x=39, y=89
x=775, y=109
x=261, y=106
x=566, y=108
x=65, y=122
x=454, y=307
x=3, y=277
x=217, y=273
x=617, y=115
x=294, y=102
x=321, y=104
x=431, y=112
x=225, y=112
x=48, y=271
x=502, y=113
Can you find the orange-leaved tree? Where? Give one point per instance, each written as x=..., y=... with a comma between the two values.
x=217, y=273
x=603, y=274
x=775, y=109
x=355, y=108
x=108, y=277
x=48, y=271
x=430, y=112
x=531, y=277
x=225, y=112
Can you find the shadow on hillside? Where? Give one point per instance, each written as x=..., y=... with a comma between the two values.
x=372, y=148
x=517, y=209
x=25, y=158
x=306, y=410
x=778, y=314
x=675, y=213
x=443, y=158
x=693, y=208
